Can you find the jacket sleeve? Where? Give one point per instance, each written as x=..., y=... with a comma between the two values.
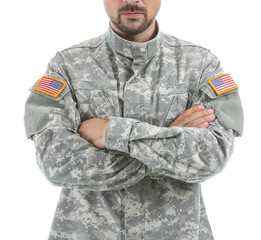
x=186, y=154
x=64, y=157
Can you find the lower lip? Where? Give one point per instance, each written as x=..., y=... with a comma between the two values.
x=132, y=15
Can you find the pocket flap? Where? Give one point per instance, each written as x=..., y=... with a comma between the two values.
x=94, y=85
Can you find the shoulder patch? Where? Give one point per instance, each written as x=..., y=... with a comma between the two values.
x=50, y=86
x=222, y=84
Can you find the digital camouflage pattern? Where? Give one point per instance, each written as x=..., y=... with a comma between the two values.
x=146, y=184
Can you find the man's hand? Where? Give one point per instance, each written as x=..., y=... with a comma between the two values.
x=94, y=130
x=196, y=116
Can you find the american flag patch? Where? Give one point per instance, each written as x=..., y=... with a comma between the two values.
x=50, y=86
x=222, y=84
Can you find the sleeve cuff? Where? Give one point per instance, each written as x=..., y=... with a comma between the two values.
x=118, y=132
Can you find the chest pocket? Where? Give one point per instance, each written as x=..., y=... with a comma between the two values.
x=96, y=99
x=171, y=102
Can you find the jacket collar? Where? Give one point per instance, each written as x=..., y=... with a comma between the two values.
x=130, y=49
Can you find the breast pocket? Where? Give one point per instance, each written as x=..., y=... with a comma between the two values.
x=171, y=103
x=96, y=99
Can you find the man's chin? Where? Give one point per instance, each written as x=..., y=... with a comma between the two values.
x=133, y=27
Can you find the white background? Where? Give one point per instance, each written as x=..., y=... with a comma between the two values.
x=33, y=31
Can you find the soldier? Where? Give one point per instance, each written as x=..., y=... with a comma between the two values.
x=129, y=124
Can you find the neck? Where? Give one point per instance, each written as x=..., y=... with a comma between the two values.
x=145, y=36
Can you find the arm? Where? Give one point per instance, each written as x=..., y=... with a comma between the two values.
x=187, y=154
x=65, y=158
x=184, y=153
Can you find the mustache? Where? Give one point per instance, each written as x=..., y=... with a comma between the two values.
x=132, y=7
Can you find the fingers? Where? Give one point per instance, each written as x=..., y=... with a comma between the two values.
x=199, y=118
x=203, y=125
x=196, y=116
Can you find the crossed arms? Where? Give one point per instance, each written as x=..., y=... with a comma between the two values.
x=94, y=130
x=193, y=148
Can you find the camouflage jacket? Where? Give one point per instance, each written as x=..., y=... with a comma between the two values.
x=146, y=183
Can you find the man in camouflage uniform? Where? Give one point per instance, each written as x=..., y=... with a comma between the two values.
x=129, y=124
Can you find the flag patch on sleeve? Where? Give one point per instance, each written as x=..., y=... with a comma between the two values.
x=222, y=84
x=50, y=86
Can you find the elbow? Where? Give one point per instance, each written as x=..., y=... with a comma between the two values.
x=214, y=159
x=55, y=169
x=53, y=175
x=210, y=167
x=202, y=175
x=209, y=172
